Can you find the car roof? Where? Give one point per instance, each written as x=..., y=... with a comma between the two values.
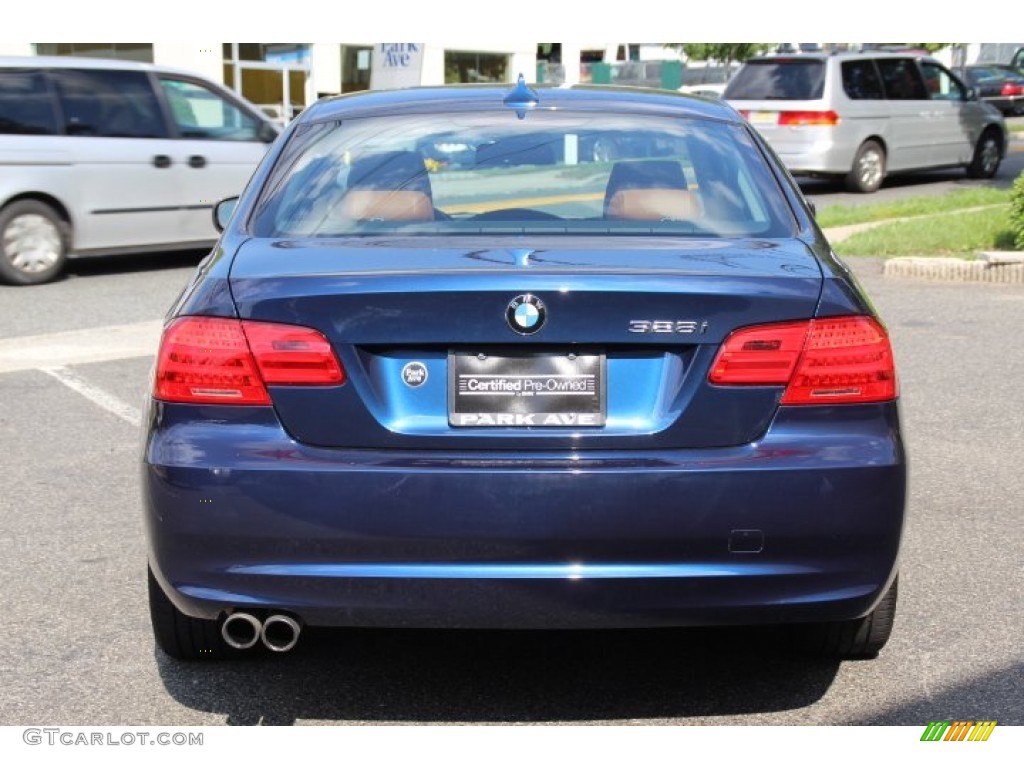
x=82, y=62
x=455, y=98
x=845, y=56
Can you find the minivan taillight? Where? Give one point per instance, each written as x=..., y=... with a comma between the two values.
x=823, y=361
x=808, y=118
x=230, y=362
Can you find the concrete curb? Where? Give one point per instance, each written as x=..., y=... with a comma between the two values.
x=999, y=269
x=990, y=266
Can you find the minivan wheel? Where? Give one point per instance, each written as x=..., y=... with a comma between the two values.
x=859, y=638
x=180, y=636
x=868, y=168
x=33, y=243
x=986, y=156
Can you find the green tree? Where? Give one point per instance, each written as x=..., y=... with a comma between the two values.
x=725, y=53
x=930, y=47
x=1017, y=212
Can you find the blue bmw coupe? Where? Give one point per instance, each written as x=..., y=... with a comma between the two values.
x=602, y=372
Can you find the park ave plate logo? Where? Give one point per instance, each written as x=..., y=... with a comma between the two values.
x=526, y=314
x=414, y=374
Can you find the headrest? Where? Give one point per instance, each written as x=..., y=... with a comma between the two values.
x=649, y=190
x=391, y=171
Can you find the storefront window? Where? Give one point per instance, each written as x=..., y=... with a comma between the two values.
x=126, y=51
x=271, y=75
x=469, y=67
x=355, y=67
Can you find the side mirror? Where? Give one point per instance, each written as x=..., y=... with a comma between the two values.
x=222, y=212
x=971, y=94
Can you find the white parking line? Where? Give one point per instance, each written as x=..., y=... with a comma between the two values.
x=104, y=400
x=88, y=345
x=53, y=353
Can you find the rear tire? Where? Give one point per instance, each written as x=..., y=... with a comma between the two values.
x=987, y=156
x=868, y=169
x=33, y=243
x=859, y=638
x=180, y=636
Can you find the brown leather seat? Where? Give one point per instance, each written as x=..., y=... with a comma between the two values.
x=652, y=205
x=388, y=186
x=384, y=205
x=649, y=190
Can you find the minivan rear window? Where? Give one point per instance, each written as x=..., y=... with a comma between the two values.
x=789, y=79
x=25, y=103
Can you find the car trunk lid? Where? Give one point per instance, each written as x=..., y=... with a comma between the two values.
x=644, y=319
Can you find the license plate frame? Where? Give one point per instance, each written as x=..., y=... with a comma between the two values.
x=556, y=390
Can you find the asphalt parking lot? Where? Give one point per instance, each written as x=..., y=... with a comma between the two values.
x=76, y=646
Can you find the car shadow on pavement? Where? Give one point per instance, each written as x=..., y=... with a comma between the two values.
x=995, y=696
x=99, y=266
x=463, y=676
x=819, y=186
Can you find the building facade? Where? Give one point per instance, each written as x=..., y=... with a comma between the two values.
x=283, y=78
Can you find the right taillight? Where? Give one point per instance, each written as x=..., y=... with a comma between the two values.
x=824, y=361
x=230, y=362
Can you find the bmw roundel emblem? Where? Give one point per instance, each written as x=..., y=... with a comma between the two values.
x=526, y=314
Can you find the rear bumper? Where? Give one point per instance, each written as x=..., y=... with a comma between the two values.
x=239, y=515
x=815, y=149
x=1007, y=104
x=820, y=157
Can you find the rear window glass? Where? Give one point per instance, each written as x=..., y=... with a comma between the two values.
x=791, y=79
x=25, y=103
x=552, y=172
x=109, y=103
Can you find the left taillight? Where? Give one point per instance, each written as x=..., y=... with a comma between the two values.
x=823, y=361
x=231, y=362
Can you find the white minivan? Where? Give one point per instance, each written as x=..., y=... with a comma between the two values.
x=102, y=157
x=861, y=116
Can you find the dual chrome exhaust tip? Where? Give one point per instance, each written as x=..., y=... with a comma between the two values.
x=278, y=632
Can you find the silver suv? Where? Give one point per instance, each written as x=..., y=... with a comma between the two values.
x=861, y=116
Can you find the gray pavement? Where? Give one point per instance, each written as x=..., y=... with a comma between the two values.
x=76, y=646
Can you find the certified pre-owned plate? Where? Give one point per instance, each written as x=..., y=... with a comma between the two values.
x=548, y=389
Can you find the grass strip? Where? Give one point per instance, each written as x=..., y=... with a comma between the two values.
x=841, y=215
x=952, y=234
